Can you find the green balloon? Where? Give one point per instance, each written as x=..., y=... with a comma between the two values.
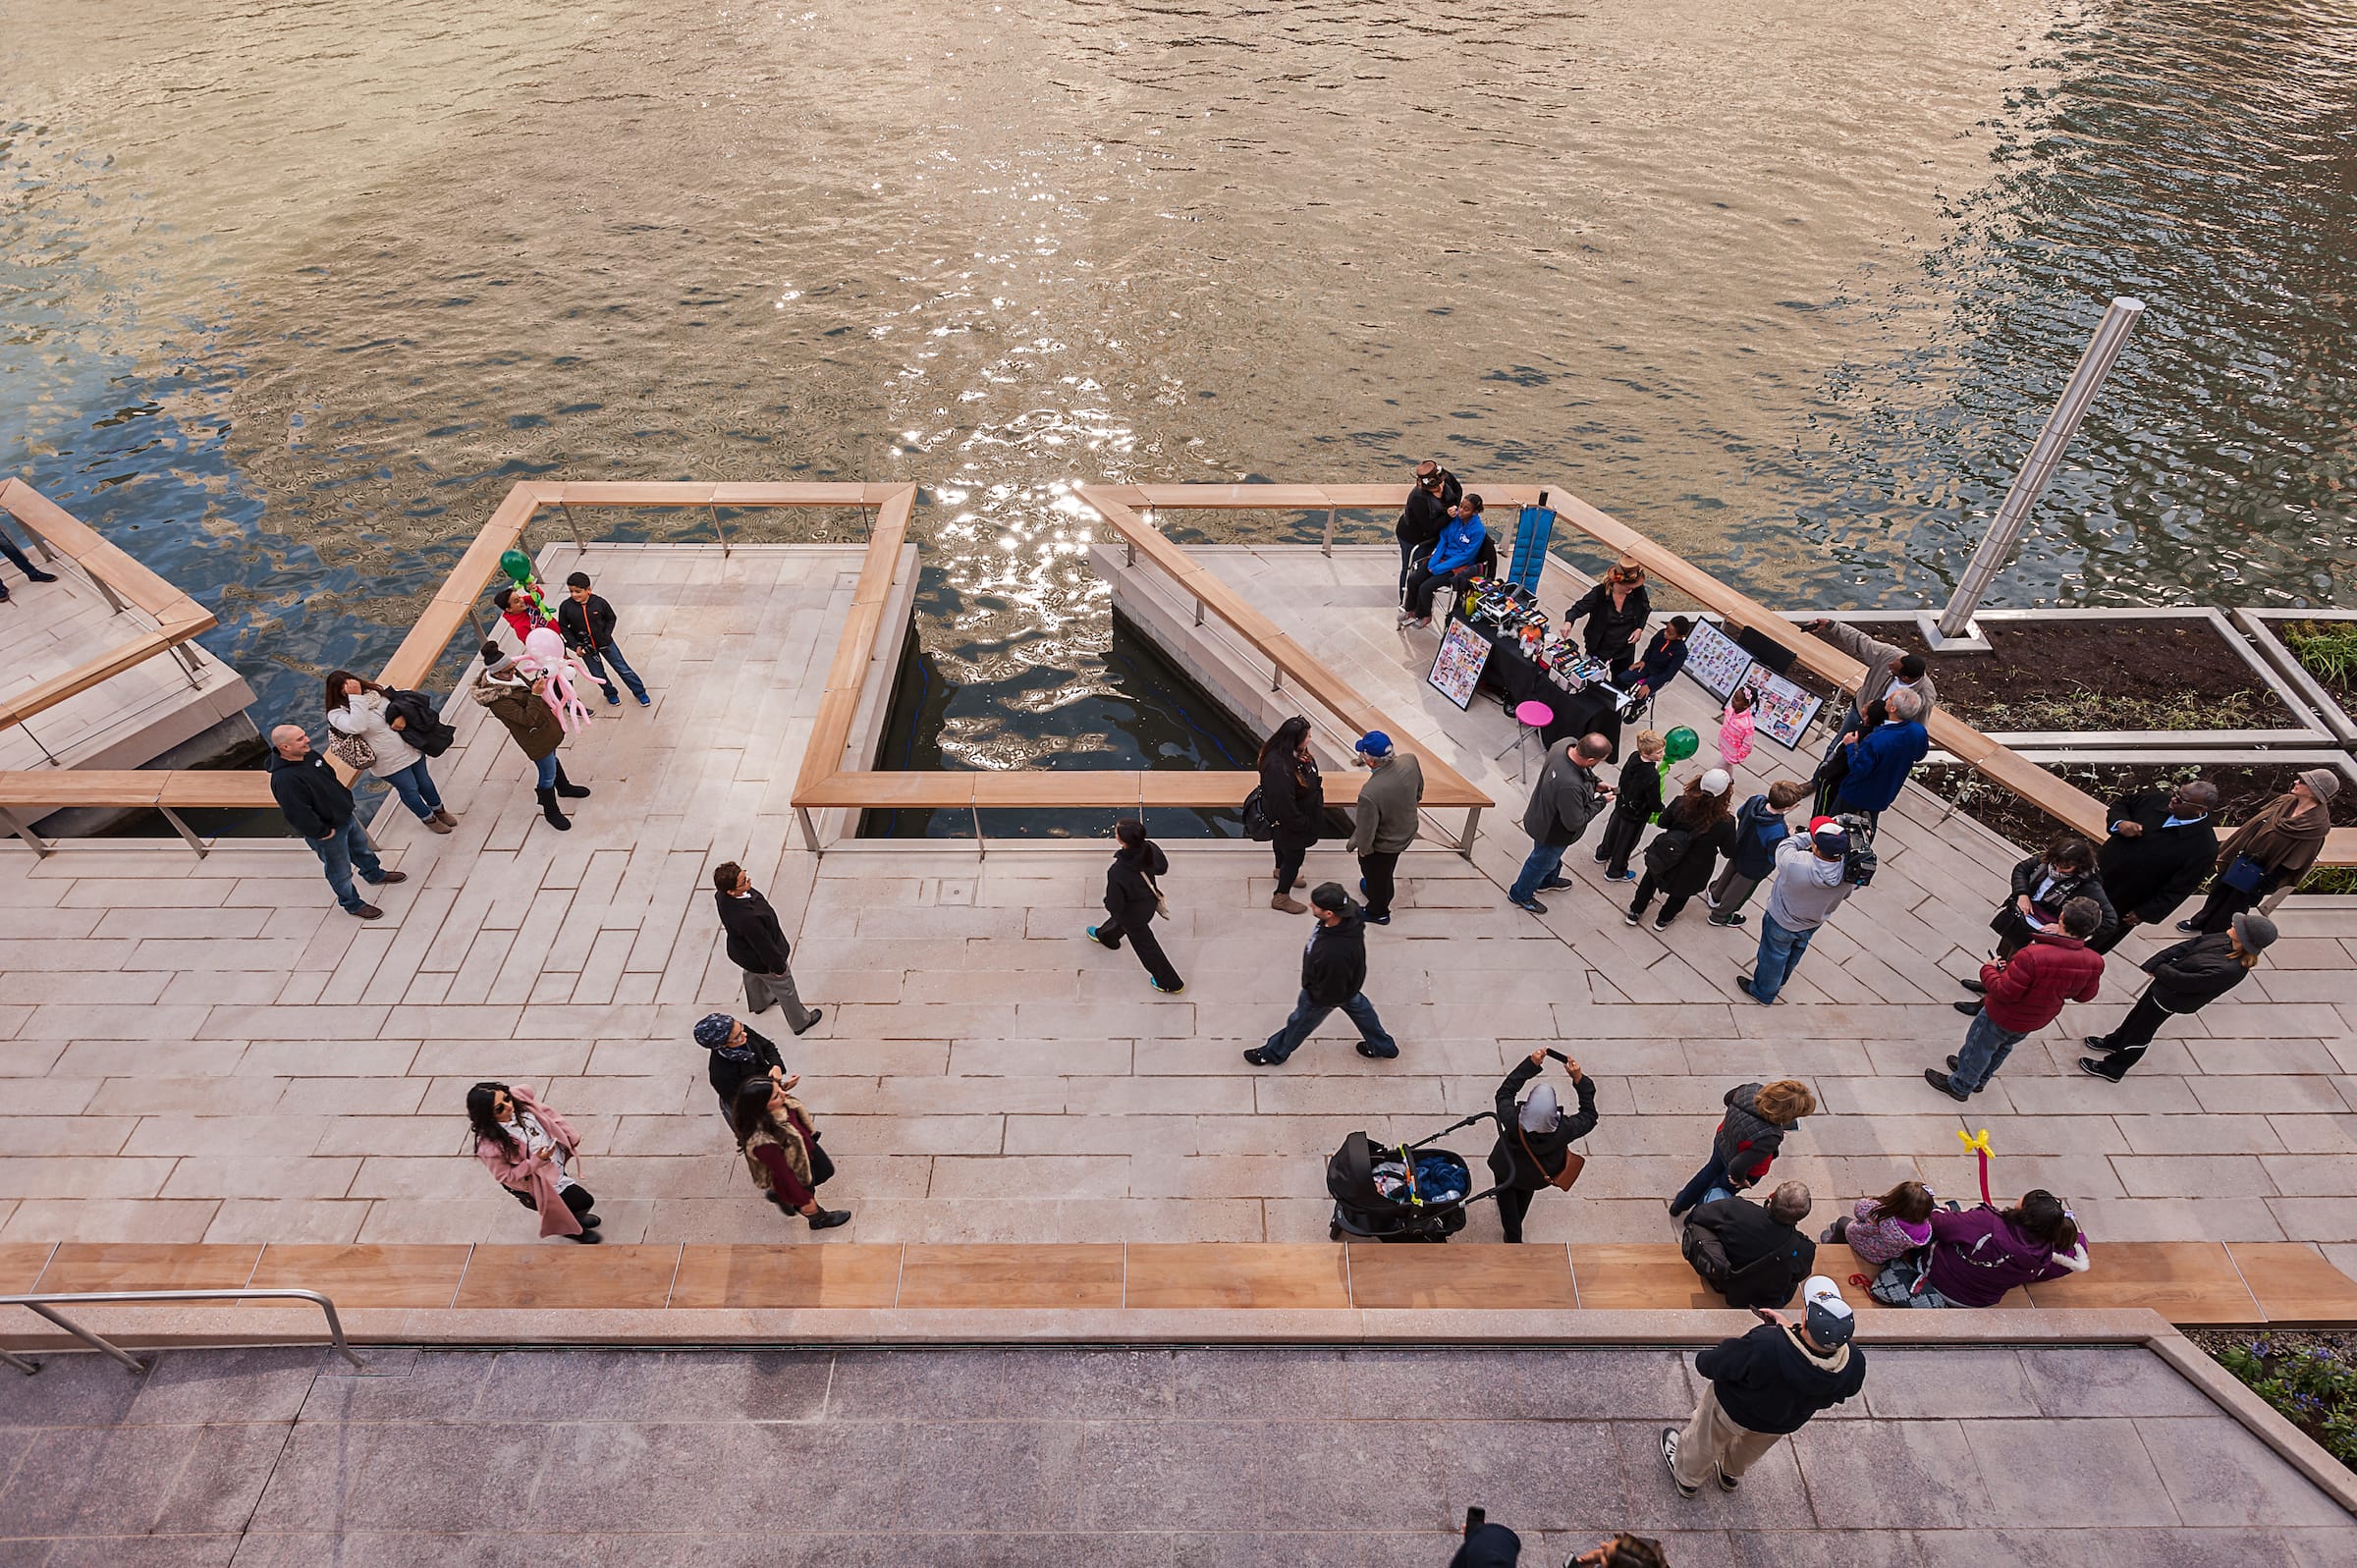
x=1679, y=744
x=518, y=566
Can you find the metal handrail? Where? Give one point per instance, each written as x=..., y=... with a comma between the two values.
x=41, y=1304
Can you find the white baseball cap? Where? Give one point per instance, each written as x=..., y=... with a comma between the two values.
x=1716, y=781
x=1830, y=1317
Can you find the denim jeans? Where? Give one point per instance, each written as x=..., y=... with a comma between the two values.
x=1308, y=1014
x=595, y=658
x=339, y=852
x=416, y=786
x=1709, y=1182
x=1985, y=1048
x=8, y=548
x=1779, y=955
x=1545, y=860
x=548, y=771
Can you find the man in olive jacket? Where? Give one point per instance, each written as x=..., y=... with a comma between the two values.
x=1385, y=823
x=1564, y=800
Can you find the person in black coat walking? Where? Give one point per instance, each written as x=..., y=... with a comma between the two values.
x=757, y=945
x=1334, y=968
x=2186, y=978
x=2162, y=844
x=1429, y=503
x=1535, y=1138
x=738, y=1054
x=1697, y=827
x=1292, y=795
x=1131, y=900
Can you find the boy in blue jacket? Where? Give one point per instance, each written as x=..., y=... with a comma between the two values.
x=1759, y=828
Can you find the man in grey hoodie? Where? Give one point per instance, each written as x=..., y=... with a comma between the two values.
x=1564, y=800
x=1811, y=880
x=1385, y=823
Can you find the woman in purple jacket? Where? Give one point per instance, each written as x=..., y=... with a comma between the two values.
x=1976, y=1255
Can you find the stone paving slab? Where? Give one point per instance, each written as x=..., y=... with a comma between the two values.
x=1116, y=1455
x=986, y=1077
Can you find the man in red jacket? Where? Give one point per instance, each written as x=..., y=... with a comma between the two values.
x=2024, y=994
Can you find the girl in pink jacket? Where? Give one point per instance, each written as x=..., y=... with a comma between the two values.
x=525, y=1145
x=1735, y=725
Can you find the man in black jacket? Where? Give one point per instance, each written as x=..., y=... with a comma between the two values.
x=1765, y=1386
x=1754, y=1254
x=2161, y=845
x=757, y=945
x=1428, y=507
x=586, y=623
x=318, y=805
x=1334, y=966
x=2186, y=978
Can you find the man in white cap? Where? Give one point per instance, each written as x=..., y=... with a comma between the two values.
x=1811, y=882
x=1765, y=1386
x=1697, y=827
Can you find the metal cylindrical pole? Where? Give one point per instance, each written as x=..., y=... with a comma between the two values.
x=1997, y=547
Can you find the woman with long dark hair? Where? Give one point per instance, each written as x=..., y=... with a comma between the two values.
x=1976, y=1255
x=527, y=1145
x=1292, y=794
x=1132, y=898
x=780, y=1144
x=1697, y=827
x=359, y=713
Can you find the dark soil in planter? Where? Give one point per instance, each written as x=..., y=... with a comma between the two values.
x=2244, y=790
x=2164, y=673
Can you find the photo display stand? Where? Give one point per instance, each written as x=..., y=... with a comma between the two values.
x=1714, y=662
x=1456, y=668
x=1779, y=710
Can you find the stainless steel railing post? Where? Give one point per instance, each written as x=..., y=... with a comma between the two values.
x=44, y=1305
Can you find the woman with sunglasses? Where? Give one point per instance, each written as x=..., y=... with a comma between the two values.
x=525, y=1145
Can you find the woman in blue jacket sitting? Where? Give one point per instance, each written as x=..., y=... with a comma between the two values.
x=1451, y=559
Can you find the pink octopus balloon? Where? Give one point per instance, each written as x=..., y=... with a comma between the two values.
x=544, y=653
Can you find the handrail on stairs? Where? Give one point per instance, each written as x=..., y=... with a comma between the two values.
x=45, y=1303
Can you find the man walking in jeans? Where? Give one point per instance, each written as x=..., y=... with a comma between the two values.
x=2022, y=996
x=1564, y=800
x=1334, y=966
x=1811, y=880
x=319, y=806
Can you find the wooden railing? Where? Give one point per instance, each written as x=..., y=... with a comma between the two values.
x=830, y=781
x=122, y=580
x=25, y=797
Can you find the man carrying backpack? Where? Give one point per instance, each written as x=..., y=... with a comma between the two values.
x=1812, y=879
x=1759, y=828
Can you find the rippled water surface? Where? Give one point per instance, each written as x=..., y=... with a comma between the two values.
x=290, y=295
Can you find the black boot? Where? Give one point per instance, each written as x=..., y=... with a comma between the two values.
x=548, y=808
x=829, y=1218
x=566, y=787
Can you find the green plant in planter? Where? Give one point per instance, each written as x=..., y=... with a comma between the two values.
x=2328, y=648
x=2312, y=1385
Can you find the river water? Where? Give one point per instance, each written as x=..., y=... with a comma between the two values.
x=290, y=295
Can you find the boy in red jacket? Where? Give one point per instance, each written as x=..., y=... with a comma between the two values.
x=2024, y=994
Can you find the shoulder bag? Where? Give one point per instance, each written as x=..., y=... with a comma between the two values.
x=1573, y=1163
x=1162, y=905
x=350, y=750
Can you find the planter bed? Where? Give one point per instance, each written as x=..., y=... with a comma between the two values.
x=2309, y=1379
x=2111, y=679
x=2243, y=787
x=2332, y=693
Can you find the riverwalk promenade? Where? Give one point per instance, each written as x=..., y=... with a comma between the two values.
x=208, y=1050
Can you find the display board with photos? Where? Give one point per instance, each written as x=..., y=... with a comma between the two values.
x=1456, y=668
x=1714, y=659
x=1781, y=710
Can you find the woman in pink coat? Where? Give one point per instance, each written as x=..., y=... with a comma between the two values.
x=525, y=1145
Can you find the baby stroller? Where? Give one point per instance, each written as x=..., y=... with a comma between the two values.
x=1401, y=1192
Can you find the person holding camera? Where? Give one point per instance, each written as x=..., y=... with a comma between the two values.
x=1534, y=1143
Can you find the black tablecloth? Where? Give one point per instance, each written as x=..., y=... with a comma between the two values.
x=1517, y=679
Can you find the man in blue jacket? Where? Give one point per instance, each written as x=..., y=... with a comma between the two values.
x=1881, y=760
x=1461, y=539
x=1765, y=1386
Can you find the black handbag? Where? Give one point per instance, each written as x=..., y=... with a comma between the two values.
x=1257, y=826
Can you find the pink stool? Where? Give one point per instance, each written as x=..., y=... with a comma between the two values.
x=1530, y=718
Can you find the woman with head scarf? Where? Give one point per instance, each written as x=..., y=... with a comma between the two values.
x=1535, y=1138
x=2272, y=850
x=737, y=1054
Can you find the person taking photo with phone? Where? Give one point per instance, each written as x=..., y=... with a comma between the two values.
x=1533, y=1150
